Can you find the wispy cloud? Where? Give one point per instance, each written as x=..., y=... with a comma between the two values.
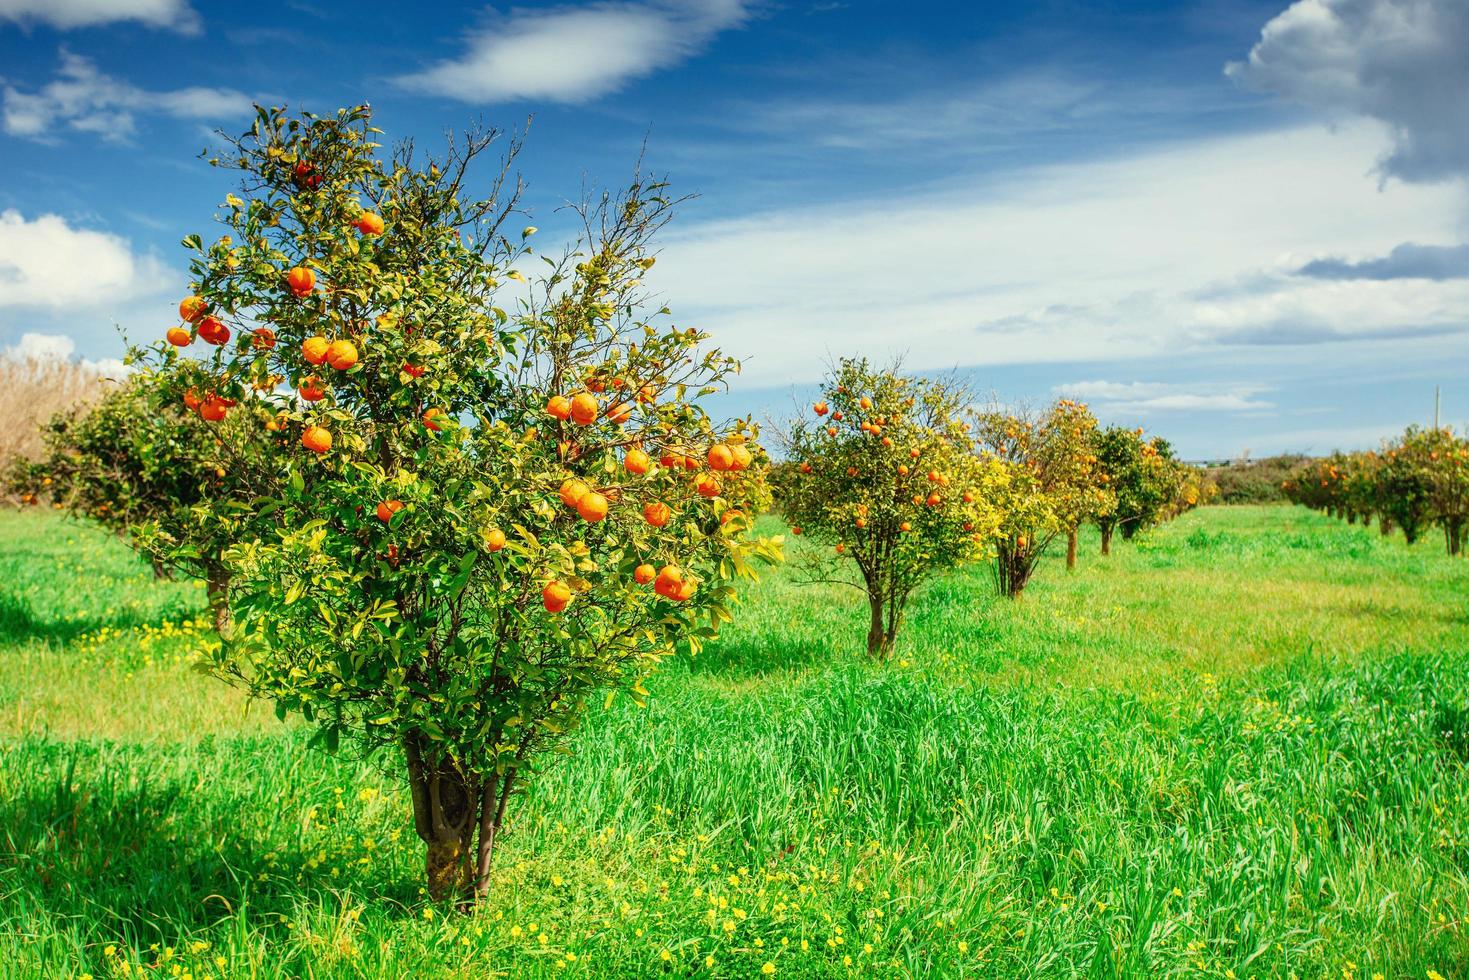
x=174, y=15
x=576, y=53
x=1096, y=261
x=83, y=99
x=1405, y=261
x=1143, y=397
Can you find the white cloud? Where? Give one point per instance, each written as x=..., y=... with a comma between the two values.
x=1094, y=261
x=1146, y=396
x=86, y=100
x=576, y=53
x=174, y=15
x=46, y=347
x=47, y=263
x=1402, y=62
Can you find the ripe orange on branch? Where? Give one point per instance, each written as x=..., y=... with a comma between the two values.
x=314, y=349
x=369, y=224
x=192, y=308
x=179, y=337
x=584, y=409
x=301, y=281
x=556, y=596
x=387, y=509
x=559, y=407
x=342, y=354
x=657, y=514
x=316, y=439
x=592, y=507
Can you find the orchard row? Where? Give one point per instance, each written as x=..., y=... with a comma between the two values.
x=1414, y=482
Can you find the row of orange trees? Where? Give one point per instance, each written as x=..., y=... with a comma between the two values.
x=898, y=479
x=446, y=492
x=1412, y=483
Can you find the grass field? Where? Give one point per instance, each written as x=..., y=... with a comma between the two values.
x=1236, y=748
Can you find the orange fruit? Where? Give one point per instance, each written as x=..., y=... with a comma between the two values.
x=369, y=224
x=301, y=280
x=636, y=462
x=559, y=407
x=721, y=458
x=644, y=574
x=573, y=490
x=315, y=349
x=316, y=439
x=619, y=414
x=592, y=506
x=861, y=522
x=264, y=338
x=933, y=500
x=311, y=389
x=191, y=400
x=707, y=485
x=213, y=331
x=657, y=514
x=192, y=308
x=494, y=539
x=387, y=509
x=413, y=370
x=646, y=394
x=837, y=416
x=214, y=409
x=179, y=337
x=796, y=531
x=819, y=408
x=742, y=458
x=342, y=354
x=865, y=402
x=670, y=577
x=902, y=469
x=831, y=431
x=732, y=515
x=431, y=419
x=805, y=467
x=685, y=590
x=968, y=497
x=905, y=526
x=556, y=596
x=841, y=549
x=584, y=409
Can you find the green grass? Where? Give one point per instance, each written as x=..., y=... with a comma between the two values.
x=1238, y=745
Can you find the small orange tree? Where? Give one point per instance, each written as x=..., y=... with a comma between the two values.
x=1056, y=483
x=883, y=476
x=140, y=464
x=479, y=517
x=1140, y=472
x=1443, y=459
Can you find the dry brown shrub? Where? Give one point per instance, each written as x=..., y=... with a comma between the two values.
x=32, y=390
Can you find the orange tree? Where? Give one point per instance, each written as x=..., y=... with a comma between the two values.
x=1139, y=472
x=478, y=518
x=1444, y=460
x=1055, y=484
x=1404, y=487
x=882, y=476
x=141, y=464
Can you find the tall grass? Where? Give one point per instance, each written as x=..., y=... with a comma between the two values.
x=1236, y=748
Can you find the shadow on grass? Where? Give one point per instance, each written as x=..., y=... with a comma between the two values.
x=19, y=623
x=146, y=862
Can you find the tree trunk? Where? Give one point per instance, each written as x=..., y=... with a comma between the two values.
x=492, y=814
x=217, y=589
x=1071, y=549
x=1384, y=526
x=445, y=805
x=1106, y=539
x=1453, y=535
x=879, y=636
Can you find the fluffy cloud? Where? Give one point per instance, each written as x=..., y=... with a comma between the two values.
x=86, y=100
x=48, y=264
x=1406, y=261
x=1143, y=397
x=1402, y=62
x=46, y=347
x=572, y=54
x=1099, y=261
x=174, y=15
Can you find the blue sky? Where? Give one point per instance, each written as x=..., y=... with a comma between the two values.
x=1240, y=224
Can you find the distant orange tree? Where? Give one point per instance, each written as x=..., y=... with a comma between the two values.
x=1055, y=484
x=1141, y=474
x=480, y=514
x=881, y=476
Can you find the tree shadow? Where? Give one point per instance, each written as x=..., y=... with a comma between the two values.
x=19, y=623
x=143, y=861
